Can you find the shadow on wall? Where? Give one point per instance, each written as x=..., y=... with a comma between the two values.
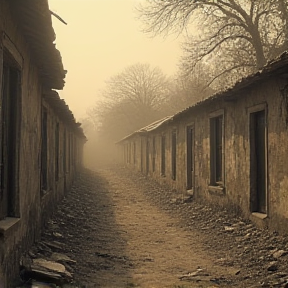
x=1, y=280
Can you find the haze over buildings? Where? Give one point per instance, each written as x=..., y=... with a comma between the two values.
x=101, y=39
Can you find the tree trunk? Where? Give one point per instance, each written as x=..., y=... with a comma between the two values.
x=284, y=17
x=258, y=46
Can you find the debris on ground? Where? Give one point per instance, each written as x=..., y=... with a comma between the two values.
x=118, y=228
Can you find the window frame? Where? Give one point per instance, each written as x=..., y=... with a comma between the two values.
x=252, y=111
x=163, y=155
x=11, y=63
x=214, y=166
x=134, y=153
x=190, y=154
x=147, y=156
x=57, y=150
x=174, y=154
x=154, y=153
x=44, y=150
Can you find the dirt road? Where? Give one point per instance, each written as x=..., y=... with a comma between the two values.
x=126, y=231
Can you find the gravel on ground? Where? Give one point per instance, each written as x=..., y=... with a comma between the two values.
x=125, y=230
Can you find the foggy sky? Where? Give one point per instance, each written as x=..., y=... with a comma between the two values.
x=101, y=39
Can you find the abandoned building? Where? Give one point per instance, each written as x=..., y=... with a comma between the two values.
x=41, y=144
x=229, y=150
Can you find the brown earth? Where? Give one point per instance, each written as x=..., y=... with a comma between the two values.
x=125, y=230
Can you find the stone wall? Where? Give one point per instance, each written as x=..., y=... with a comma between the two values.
x=20, y=230
x=236, y=159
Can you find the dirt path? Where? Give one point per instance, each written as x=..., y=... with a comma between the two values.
x=159, y=248
x=126, y=231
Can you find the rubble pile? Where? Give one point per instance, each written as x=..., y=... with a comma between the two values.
x=262, y=255
x=84, y=242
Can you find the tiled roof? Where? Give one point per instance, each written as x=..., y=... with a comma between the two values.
x=273, y=68
x=34, y=18
x=149, y=128
x=63, y=112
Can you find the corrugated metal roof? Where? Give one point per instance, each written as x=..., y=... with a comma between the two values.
x=63, y=112
x=155, y=125
x=149, y=128
x=34, y=18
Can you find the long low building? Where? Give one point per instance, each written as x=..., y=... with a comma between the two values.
x=41, y=143
x=229, y=150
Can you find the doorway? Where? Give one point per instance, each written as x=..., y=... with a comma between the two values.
x=190, y=156
x=10, y=137
x=44, y=151
x=147, y=156
x=163, y=158
x=174, y=154
x=258, y=167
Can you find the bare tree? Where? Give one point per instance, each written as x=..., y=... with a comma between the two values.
x=188, y=90
x=132, y=99
x=240, y=35
x=140, y=84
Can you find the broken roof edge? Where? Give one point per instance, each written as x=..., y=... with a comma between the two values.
x=271, y=67
x=35, y=21
x=148, y=128
x=61, y=109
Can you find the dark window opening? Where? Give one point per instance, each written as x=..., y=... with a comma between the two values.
x=69, y=151
x=258, y=190
x=163, y=148
x=57, y=152
x=64, y=153
x=216, y=150
x=173, y=154
x=73, y=151
x=126, y=154
x=75, y=156
x=134, y=153
x=190, y=157
x=147, y=156
x=154, y=154
x=141, y=156
x=10, y=133
x=129, y=153
x=44, y=149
